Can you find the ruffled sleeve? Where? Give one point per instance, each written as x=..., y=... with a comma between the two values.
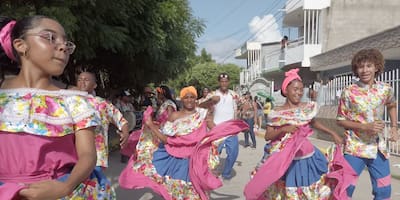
x=45, y=113
x=82, y=113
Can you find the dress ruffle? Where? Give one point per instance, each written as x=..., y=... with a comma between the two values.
x=178, y=169
x=294, y=170
x=45, y=113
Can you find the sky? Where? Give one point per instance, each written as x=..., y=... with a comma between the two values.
x=230, y=23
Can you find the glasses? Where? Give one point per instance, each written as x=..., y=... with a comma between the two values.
x=55, y=40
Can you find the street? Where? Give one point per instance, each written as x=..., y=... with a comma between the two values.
x=233, y=189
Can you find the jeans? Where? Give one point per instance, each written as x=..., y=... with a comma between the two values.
x=379, y=172
x=231, y=145
x=250, y=122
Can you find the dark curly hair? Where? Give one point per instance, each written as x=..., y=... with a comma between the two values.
x=368, y=55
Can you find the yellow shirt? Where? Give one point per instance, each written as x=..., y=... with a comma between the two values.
x=267, y=108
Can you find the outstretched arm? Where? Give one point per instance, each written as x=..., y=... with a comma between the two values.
x=155, y=130
x=371, y=128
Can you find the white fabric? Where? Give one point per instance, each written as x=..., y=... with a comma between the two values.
x=224, y=110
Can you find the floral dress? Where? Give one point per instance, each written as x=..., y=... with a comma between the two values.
x=146, y=142
x=179, y=169
x=38, y=143
x=108, y=113
x=294, y=167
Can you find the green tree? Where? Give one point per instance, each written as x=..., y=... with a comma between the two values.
x=129, y=42
x=205, y=75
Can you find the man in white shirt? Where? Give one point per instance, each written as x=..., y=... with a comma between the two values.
x=225, y=108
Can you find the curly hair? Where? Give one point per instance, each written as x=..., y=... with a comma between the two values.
x=368, y=55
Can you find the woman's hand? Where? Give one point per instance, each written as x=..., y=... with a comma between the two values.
x=123, y=140
x=45, y=190
x=210, y=120
x=394, y=134
x=337, y=139
x=150, y=123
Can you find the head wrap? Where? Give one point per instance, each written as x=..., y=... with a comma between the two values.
x=186, y=90
x=5, y=39
x=290, y=76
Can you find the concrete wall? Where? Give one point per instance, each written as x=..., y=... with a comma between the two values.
x=346, y=21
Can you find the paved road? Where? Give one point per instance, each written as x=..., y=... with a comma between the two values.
x=233, y=189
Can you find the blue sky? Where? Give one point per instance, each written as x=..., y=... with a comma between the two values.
x=230, y=23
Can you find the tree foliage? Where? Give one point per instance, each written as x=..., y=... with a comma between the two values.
x=131, y=42
x=205, y=73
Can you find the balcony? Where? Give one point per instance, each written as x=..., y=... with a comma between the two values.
x=298, y=52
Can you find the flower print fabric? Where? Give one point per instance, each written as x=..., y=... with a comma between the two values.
x=108, y=113
x=38, y=127
x=294, y=167
x=364, y=104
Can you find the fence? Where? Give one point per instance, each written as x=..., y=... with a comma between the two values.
x=330, y=93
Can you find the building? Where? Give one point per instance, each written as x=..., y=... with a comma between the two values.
x=324, y=35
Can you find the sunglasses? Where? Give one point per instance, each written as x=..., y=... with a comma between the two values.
x=223, y=76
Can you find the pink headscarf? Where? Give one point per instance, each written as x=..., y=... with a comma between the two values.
x=5, y=39
x=290, y=76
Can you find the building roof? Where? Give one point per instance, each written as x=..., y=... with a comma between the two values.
x=388, y=42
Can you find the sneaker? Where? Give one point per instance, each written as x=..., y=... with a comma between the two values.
x=253, y=146
x=246, y=145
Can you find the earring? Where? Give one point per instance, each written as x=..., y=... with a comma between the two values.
x=24, y=54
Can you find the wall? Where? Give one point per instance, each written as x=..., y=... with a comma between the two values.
x=346, y=21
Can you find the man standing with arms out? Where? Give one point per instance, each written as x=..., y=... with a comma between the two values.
x=225, y=108
x=108, y=114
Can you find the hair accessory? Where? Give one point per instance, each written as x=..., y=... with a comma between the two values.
x=290, y=76
x=5, y=39
x=186, y=90
x=160, y=90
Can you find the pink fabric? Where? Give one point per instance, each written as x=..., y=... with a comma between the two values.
x=31, y=158
x=275, y=167
x=341, y=171
x=130, y=148
x=200, y=175
x=290, y=76
x=130, y=179
x=306, y=149
x=183, y=147
x=385, y=181
x=163, y=117
x=10, y=191
x=5, y=39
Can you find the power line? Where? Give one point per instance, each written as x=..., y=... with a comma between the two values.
x=244, y=28
x=229, y=13
x=261, y=29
